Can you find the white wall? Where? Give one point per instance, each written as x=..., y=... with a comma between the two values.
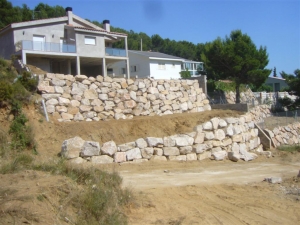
x=147, y=67
x=141, y=62
x=171, y=71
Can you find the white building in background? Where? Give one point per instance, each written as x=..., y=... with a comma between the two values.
x=157, y=65
x=277, y=83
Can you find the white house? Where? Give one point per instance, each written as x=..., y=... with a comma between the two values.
x=277, y=83
x=154, y=64
x=68, y=44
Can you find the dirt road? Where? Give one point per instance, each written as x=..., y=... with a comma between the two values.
x=213, y=192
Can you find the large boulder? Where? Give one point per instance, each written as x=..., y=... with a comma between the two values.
x=71, y=148
x=109, y=148
x=90, y=148
x=134, y=153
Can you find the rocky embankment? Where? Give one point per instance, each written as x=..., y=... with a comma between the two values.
x=78, y=98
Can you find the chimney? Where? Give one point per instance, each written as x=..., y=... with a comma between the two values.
x=69, y=13
x=106, y=25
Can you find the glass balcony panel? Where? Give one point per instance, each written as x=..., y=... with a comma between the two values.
x=115, y=52
x=47, y=46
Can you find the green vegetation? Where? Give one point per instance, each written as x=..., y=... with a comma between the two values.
x=223, y=86
x=293, y=80
x=236, y=58
x=185, y=74
x=10, y=14
x=100, y=201
x=289, y=148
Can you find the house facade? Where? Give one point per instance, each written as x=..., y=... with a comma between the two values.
x=157, y=65
x=68, y=45
x=277, y=83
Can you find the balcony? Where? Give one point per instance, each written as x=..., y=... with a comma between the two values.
x=115, y=52
x=45, y=46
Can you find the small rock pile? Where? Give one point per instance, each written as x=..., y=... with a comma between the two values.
x=218, y=139
x=77, y=98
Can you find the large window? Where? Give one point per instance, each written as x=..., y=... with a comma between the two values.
x=161, y=66
x=89, y=40
x=38, y=42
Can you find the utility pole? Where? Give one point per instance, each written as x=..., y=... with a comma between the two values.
x=141, y=44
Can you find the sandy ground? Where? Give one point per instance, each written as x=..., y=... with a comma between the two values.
x=200, y=192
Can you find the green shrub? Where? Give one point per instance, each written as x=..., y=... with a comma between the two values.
x=289, y=148
x=3, y=63
x=20, y=93
x=28, y=82
x=185, y=74
x=22, y=135
x=4, y=147
x=103, y=198
x=6, y=91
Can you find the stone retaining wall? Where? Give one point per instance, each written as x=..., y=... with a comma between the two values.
x=80, y=97
x=232, y=138
x=285, y=135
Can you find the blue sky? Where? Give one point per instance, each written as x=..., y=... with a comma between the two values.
x=271, y=23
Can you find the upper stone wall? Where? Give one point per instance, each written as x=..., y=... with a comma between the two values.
x=80, y=97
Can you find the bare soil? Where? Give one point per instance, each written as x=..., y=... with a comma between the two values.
x=201, y=192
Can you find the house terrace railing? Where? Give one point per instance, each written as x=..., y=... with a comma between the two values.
x=115, y=52
x=45, y=46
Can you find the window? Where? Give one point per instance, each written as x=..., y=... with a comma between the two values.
x=161, y=66
x=123, y=70
x=110, y=71
x=89, y=40
x=38, y=42
x=133, y=68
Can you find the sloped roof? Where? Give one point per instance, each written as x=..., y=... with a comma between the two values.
x=99, y=30
x=157, y=55
x=89, y=26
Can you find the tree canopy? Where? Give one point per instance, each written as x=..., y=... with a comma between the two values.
x=238, y=59
x=10, y=14
x=293, y=80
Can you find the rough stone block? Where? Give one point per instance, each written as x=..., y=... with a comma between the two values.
x=177, y=158
x=204, y=155
x=147, y=153
x=134, y=153
x=109, y=148
x=120, y=157
x=219, y=155
x=191, y=157
x=170, y=151
x=153, y=141
x=158, y=158
x=90, y=148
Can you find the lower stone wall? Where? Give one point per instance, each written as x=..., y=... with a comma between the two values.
x=218, y=139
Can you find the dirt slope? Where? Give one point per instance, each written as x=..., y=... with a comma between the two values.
x=50, y=136
x=206, y=192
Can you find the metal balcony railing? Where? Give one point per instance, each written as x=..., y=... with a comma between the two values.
x=115, y=52
x=45, y=46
